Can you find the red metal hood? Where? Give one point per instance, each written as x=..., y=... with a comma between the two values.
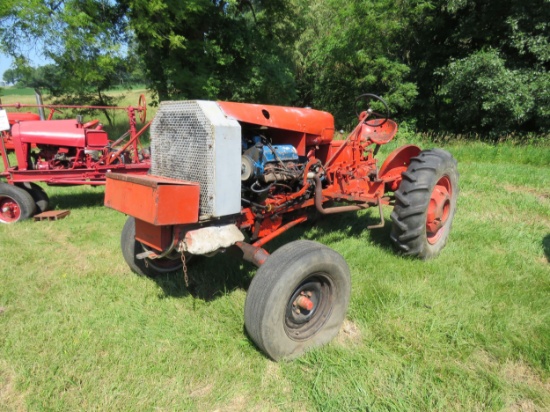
x=14, y=117
x=51, y=132
x=308, y=121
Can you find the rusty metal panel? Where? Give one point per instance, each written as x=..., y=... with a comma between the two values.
x=153, y=199
x=157, y=237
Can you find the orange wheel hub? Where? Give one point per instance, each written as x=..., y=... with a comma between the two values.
x=439, y=209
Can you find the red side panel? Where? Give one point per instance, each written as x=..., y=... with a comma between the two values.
x=153, y=199
x=96, y=138
x=309, y=121
x=158, y=237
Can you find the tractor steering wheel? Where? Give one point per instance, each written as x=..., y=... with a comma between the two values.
x=376, y=118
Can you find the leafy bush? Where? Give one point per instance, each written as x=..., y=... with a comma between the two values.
x=481, y=94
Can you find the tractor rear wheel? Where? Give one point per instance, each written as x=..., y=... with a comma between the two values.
x=297, y=300
x=145, y=267
x=38, y=194
x=425, y=204
x=15, y=204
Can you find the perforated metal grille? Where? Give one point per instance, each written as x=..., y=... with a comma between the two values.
x=182, y=147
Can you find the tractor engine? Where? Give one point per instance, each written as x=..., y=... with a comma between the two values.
x=264, y=165
x=235, y=159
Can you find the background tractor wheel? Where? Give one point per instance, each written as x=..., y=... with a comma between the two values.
x=145, y=267
x=38, y=194
x=297, y=300
x=425, y=204
x=15, y=204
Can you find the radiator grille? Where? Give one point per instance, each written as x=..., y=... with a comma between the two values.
x=182, y=143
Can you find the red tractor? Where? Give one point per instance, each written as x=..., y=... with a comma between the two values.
x=62, y=153
x=238, y=175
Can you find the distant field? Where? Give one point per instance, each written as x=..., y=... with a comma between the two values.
x=13, y=91
x=468, y=331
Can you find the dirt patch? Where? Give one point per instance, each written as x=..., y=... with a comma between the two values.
x=540, y=194
x=524, y=405
x=349, y=334
x=519, y=373
x=201, y=391
x=484, y=358
x=238, y=403
x=10, y=399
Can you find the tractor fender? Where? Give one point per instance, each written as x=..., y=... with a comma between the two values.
x=395, y=164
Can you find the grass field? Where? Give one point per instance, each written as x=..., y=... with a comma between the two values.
x=468, y=331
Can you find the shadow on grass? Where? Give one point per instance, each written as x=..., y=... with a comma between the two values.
x=211, y=278
x=546, y=246
x=77, y=200
x=339, y=227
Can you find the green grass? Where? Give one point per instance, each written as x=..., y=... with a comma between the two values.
x=15, y=91
x=467, y=331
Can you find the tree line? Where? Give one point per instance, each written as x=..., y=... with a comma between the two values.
x=458, y=66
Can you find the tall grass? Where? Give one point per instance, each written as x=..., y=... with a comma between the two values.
x=467, y=331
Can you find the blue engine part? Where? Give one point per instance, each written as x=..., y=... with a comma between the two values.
x=284, y=152
x=257, y=156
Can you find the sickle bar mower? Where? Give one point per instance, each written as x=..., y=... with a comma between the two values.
x=224, y=172
x=63, y=153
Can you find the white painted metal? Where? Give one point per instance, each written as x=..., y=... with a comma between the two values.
x=195, y=141
x=210, y=239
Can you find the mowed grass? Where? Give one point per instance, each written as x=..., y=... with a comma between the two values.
x=467, y=331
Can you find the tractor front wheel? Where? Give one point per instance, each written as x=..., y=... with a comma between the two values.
x=15, y=204
x=425, y=204
x=145, y=267
x=38, y=194
x=297, y=300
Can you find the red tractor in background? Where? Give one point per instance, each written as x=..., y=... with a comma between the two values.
x=237, y=175
x=62, y=153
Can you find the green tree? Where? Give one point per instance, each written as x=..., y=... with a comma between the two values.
x=237, y=50
x=350, y=48
x=81, y=37
x=11, y=76
x=482, y=66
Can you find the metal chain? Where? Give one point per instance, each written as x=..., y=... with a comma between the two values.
x=185, y=277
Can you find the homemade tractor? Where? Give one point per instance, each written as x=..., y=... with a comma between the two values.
x=238, y=175
x=62, y=153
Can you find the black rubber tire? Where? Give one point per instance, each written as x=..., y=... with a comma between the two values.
x=23, y=199
x=278, y=281
x=145, y=267
x=409, y=232
x=38, y=194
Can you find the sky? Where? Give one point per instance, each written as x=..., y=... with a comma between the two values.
x=5, y=63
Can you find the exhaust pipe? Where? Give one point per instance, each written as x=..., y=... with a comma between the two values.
x=39, y=103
